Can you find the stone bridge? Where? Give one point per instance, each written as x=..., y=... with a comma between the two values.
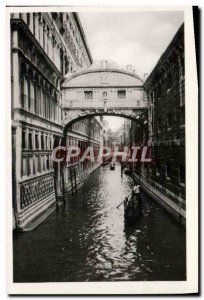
x=103, y=89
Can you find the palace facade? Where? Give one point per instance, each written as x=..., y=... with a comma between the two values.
x=44, y=47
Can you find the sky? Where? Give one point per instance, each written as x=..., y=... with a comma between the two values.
x=136, y=38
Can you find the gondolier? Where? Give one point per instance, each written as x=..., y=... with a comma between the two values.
x=136, y=190
x=136, y=195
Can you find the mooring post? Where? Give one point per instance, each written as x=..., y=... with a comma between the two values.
x=63, y=186
x=75, y=183
x=55, y=188
x=70, y=172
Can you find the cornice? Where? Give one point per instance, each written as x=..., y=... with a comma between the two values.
x=20, y=24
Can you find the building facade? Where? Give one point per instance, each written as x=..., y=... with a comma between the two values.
x=44, y=47
x=164, y=178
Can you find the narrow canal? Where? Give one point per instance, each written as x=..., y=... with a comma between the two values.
x=87, y=239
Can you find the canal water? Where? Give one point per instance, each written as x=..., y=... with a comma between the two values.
x=87, y=240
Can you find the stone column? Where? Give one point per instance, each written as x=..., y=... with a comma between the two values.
x=57, y=56
x=31, y=22
x=18, y=158
x=49, y=43
x=53, y=49
x=41, y=31
x=24, y=18
x=36, y=21
x=45, y=38
x=16, y=15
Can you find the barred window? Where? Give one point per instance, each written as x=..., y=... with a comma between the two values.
x=121, y=94
x=88, y=95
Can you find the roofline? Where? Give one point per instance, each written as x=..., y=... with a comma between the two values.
x=88, y=71
x=77, y=19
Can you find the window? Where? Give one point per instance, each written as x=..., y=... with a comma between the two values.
x=182, y=174
x=23, y=139
x=47, y=162
x=30, y=141
x=121, y=94
x=88, y=95
x=36, y=142
x=138, y=103
x=42, y=142
x=46, y=142
x=104, y=94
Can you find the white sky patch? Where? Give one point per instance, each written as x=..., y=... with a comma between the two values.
x=114, y=122
x=136, y=38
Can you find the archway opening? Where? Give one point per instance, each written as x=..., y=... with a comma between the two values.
x=96, y=129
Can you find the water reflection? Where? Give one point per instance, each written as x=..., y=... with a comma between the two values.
x=87, y=239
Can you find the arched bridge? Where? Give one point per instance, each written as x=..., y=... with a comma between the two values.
x=103, y=89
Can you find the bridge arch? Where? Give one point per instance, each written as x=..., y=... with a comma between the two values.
x=70, y=119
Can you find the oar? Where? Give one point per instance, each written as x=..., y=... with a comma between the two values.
x=121, y=202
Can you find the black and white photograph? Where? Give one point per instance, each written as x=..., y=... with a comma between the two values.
x=101, y=105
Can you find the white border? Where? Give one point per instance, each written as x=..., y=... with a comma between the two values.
x=100, y=288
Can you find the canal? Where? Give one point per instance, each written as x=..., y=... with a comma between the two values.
x=86, y=240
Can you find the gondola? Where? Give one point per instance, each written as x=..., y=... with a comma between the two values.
x=132, y=209
x=105, y=163
x=112, y=167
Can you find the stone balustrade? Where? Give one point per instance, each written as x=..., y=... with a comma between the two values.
x=36, y=189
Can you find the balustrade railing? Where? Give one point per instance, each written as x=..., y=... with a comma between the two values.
x=36, y=189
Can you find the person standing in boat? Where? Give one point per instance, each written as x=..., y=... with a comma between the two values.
x=136, y=190
x=136, y=193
